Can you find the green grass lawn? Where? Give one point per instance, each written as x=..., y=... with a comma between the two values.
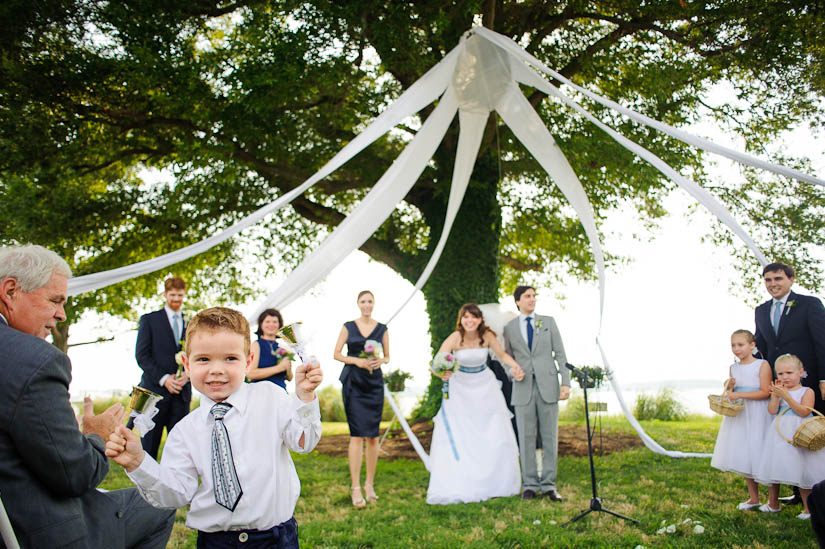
x=657, y=490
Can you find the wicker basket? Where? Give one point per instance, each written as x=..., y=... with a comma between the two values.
x=810, y=434
x=725, y=406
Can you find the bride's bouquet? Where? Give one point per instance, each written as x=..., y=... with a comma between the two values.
x=444, y=362
x=372, y=349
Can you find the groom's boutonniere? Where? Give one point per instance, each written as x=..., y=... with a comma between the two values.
x=788, y=305
x=539, y=323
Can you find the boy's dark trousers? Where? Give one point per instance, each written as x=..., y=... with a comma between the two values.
x=282, y=536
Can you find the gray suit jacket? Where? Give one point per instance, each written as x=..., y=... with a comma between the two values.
x=544, y=363
x=48, y=469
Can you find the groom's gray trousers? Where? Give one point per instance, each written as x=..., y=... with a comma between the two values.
x=529, y=418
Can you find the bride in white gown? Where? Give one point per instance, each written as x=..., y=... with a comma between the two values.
x=473, y=455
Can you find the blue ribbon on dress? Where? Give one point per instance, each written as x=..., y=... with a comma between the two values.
x=745, y=389
x=472, y=369
x=783, y=406
x=449, y=432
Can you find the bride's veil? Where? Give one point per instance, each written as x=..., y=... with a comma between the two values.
x=496, y=316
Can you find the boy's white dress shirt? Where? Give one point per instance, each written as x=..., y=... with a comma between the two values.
x=264, y=423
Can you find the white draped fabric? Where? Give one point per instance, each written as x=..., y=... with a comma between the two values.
x=478, y=76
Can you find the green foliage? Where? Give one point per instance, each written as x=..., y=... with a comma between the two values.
x=332, y=405
x=595, y=376
x=233, y=104
x=396, y=379
x=573, y=410
x=662, y=406
x=101, y=404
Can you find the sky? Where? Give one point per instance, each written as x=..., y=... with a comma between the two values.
x=668, y=315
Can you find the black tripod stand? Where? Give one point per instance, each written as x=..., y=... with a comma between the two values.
x=595, y=502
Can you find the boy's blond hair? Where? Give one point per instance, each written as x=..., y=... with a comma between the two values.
x=791, y=359
x=216, y=319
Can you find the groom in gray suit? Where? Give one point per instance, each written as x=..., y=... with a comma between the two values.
x=535, y=342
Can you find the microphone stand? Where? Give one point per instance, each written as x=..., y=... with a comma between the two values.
x=595, y=502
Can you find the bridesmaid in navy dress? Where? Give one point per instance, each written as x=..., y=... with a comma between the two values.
x=363, y=393
x=265, y=365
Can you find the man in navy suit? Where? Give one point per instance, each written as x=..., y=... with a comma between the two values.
x=50, y=468
x=790, y=323
x=160, y=334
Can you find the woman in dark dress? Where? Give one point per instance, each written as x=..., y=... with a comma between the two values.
x=363, y=392
x=265, y=354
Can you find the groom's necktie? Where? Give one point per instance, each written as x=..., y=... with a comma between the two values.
x=225, y=481
x=529, y=334
x=777, y=316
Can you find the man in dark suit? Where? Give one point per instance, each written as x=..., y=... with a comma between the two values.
x=160, y=337
x=49, y=468
x=790, y=323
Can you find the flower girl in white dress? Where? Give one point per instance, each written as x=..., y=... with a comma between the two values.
x=782, y=462
x=740, y=439
x=473, y=455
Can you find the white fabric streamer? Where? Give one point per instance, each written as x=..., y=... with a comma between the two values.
x=526, y=125
x=698, y=192
x=477, y=76
x=510, y=46
x=425, y=458
x=372, y=211
x=423, y=92
x=648, y=442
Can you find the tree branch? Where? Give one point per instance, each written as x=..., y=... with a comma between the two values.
x=519, y=265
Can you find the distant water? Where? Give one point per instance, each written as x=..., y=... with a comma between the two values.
x=693, y=394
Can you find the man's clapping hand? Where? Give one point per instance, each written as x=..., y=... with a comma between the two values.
x=103, y=424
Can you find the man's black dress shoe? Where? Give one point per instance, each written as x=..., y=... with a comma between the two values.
x=790, y=500
x=553, y=495
x=528, y=494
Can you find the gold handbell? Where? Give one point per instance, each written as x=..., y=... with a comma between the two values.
x=143, y=399
x=290, y=333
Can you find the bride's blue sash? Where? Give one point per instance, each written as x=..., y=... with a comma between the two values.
x=466, y=370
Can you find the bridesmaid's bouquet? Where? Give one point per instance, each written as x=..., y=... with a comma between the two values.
x=444, y=362
x=372, y=349
x=281, y=353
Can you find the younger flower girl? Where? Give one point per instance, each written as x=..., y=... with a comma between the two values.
x=740, y=438
x=782, y=462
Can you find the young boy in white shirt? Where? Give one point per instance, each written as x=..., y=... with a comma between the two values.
x=237, y=443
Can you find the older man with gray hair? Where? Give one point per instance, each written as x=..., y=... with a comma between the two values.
x=50, y=468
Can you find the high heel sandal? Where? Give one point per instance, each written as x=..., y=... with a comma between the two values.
x=372, y=497
x=357, y=499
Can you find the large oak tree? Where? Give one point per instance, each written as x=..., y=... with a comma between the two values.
x=241, y=101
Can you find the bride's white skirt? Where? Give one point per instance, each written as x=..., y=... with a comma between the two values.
x=482, y=460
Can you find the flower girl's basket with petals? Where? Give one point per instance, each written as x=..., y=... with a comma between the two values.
x=810, y=434
x=721, y=404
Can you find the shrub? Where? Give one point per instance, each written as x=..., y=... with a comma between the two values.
x=573, y=410
x=386, y=412
x=101, y=404
x=332, y=405
x=662, y=406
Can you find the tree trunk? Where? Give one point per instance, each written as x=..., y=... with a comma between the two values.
x=468, y=269
x=60, y=336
